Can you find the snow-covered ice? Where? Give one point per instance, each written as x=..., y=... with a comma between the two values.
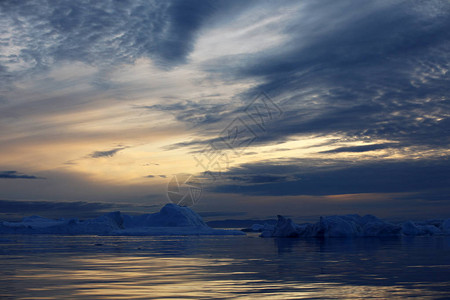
x=171, y=220
x=355, y=226
x=177, y=220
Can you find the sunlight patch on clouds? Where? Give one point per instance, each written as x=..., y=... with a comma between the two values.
x=146, y=84
x=322, y=147
x=61, y=118
x=66, y=73
x=256, y=31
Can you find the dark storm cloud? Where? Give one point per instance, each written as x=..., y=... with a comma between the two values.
x=102, y=33
x=17, y=175
x=327, y=177
x=15, y=210
x=48, y=208
x=378, y=73
x=108, y=153
x=255, y=179
x=360, y=148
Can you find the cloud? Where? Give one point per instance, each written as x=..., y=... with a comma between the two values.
x=14, y=210
x=214, y=214
x=256, y=179
x=52, y=209
x=108, y=153
x=363, y=148
x=17, y=175
x=332, y=177
x=381, y=73
x=40, y=34
x=76, y=75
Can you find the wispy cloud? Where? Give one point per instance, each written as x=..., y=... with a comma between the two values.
x=107, y=153
x=371, y=87
x=17, y=175
x=363, y=148
x=330, y=177
x=383, y=79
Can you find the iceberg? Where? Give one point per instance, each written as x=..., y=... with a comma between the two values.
x=285, y=228
x=411, y=228
x=259, y=228
x=445, y=227
x=170, y=220
x=355, y=226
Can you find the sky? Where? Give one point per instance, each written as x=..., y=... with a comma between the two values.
x=302, y=108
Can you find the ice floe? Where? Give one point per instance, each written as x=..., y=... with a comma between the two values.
x=355, y=226
x=171, y=220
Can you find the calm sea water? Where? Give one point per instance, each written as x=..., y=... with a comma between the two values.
x=236, y=267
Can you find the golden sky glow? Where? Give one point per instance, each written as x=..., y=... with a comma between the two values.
x=131, y=102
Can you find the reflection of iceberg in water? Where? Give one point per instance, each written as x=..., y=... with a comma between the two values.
x=229, y=267
x=355, y=226
x=171, y=220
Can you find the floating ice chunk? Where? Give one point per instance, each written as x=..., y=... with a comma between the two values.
x=35, y=221
x=380, y=228
x=114, y=219
x=336, y=226
x=354, y=226
x=254, y=228
x=171, y=220
x=411, y=228
x=306, y=230
x=285, y=228
x=369, y=219
x=259, y=228
x=268, y=227
x=431, y=230
x=171, y=215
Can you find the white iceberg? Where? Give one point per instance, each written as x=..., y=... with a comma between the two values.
x=171, y=220
x=356, y=226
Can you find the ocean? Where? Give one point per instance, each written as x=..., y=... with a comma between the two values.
x=223, y=267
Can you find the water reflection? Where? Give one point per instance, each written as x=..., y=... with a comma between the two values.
x=49, y=267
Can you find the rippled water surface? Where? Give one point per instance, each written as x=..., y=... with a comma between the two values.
x=238, y=267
